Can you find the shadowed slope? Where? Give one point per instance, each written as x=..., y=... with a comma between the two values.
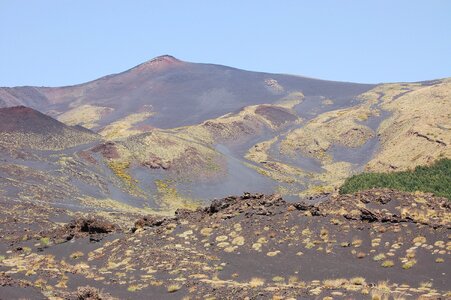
x=25, y=127
x=24, y=119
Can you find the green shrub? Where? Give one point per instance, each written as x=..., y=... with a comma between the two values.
x=433, y=179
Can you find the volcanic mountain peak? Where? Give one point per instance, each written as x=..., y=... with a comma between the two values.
x=159, y=62
x=166, y=58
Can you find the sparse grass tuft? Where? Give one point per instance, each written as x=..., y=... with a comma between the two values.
x=379, y=257
x=278, y=279
x=334, y=283
x=256, y=282
x=27, y=250
x=133, y=288
x=419, y=240
x=173, y=288
x=76, y=255
x=426, y=284
x=273, y=253
x=293, y=280
x=309, y=245
x=357, y=280
x=409, y=264
x=356, y=242
x=378, y=295
x=45, y=241
x=388, y=264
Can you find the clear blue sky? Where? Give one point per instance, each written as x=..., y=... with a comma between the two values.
x=62, y=42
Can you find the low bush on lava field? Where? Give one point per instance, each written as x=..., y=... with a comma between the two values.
x=432, y=179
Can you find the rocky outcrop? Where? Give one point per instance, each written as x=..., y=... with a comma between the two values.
x=148, y=221
x=93, y=227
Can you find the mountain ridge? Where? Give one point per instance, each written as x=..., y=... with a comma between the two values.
x=169, y=86
x=170, y=59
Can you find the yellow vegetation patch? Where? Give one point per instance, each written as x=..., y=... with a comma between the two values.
x=66, y=138
x=111, y=204
x=85, y=115
x=119, y=168
x=259, y=152
x=166, y=149
x=334, y=127
x=419, y=131
x=291, y=100
x=124, y=127
x=171, y=200
x=235, y=126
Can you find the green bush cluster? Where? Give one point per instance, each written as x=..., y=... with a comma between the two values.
x=434, y=179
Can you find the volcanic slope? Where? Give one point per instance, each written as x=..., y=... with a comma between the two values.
x=174, y=134
x=22, y=127
x=166, y=92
